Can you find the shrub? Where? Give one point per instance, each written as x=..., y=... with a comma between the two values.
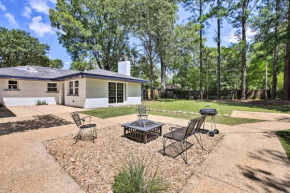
x=137, y=176
x=39, y=102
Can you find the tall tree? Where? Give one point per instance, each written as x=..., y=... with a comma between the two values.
x=56, y=63
x=276, y=48
x=219, y=11
x=197, y=8
x=286, y=89
x=92, y=29
x=149, y=22
x=163, y=36
x=17, y=48
x=238, y=15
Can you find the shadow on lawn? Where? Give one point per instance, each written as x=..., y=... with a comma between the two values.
x=5, y=112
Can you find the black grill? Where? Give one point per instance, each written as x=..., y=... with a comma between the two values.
x=208, y=112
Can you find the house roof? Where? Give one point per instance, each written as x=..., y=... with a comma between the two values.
x=46, y=73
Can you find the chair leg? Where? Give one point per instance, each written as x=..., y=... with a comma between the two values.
x=78, y=136
x=164, y=143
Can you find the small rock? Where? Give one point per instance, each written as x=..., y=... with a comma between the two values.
x=183, y=112
x=197, y=113
x=192, y=113
x=164, y=111
x=110, y=191
x=218, y=115
x=226, y=115
x=72, y=160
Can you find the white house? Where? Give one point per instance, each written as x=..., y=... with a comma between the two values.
x=25, y=85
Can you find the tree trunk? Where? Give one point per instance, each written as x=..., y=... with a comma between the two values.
x=244, y=52
x=276, y=52
x=266, y=80
x=151, y=78
x=163, y=75
x=200, y=50
x=286, y=89
x=219, y=53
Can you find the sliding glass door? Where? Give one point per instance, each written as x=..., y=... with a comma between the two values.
x=116, y=92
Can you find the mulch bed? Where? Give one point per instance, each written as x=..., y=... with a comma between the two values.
x=42, y=121
x=94, y=165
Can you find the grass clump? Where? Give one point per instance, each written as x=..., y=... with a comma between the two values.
x=284, y=137
x=39, y=102
x=138, y=176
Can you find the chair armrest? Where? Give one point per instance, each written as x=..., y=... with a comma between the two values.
x=173, y=128
x=84, y=119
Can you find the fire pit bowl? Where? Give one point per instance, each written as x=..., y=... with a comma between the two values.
x=143, y=130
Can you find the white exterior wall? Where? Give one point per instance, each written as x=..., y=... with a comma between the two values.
x=28, y=94
x=97, y=93
x=134, y=93
x=75, y=100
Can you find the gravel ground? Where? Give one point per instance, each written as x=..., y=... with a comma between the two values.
x=42, y=121
x=94, y=165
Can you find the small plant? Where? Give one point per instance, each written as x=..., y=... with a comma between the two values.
x=39, y=102
x=138, y=176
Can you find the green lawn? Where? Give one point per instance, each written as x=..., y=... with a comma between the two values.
x=223, y=107
x=284, y=137
x=110, y=112
x=119, y=111
x=219, y=120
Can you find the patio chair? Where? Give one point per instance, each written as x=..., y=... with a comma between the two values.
x=80, y=122
x=142, y=112
x=179, y=136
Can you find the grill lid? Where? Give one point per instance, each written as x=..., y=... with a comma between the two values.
x=208, y=111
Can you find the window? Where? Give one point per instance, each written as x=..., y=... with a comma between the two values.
x=51, y=87
x=76, y=87
x=12, y=85
x=116, y=92
x=71, y=88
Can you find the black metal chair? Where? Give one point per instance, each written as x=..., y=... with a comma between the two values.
x=180, y=136
x=80, y=122
x=142, y=112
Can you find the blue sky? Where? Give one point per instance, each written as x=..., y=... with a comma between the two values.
x=32, y=16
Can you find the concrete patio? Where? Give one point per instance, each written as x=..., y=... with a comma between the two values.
x=250, y=157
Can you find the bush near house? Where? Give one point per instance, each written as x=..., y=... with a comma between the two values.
x=39, y=102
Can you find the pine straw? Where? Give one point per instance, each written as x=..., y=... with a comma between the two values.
x=94, y=165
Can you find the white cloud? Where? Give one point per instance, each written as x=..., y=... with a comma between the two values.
x=2, y=7
x=39, y=6
x=232, y=38
x=26, y=12
x=53, y=1
x=40, y=28
x=11, y=19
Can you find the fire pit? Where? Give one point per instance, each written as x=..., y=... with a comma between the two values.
x=143, y=130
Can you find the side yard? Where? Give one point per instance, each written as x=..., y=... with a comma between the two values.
x=223, y=107
x=120, y=111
